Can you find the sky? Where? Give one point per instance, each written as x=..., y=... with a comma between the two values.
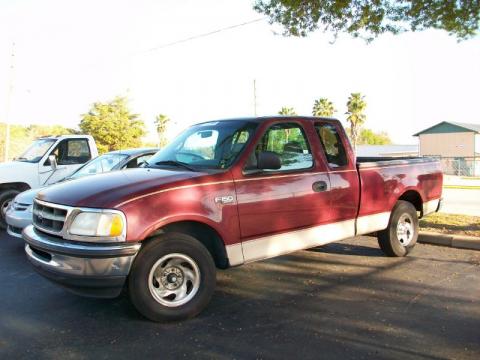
x=69, y=54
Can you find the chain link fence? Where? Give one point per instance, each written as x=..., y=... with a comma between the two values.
x=460, y=166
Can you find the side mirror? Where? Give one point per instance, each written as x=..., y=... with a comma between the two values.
x=268, y=160
x=53, y=162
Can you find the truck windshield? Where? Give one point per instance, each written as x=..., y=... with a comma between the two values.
x=99, y=165
x=212, y=145
x=36, y=151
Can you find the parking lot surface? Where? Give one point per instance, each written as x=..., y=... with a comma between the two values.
x=343, y=300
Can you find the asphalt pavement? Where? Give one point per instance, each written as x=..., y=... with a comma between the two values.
x=344, y=301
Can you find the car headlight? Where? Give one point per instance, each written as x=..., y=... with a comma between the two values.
x=110, y=226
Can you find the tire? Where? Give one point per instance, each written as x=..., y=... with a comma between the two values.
x=6, y=196
x=395, y=241
x=181, y=262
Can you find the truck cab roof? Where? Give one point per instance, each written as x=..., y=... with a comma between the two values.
x=285, y=118
x=66, y=136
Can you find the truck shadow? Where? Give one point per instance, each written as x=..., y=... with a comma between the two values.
x=344, y=248
x=322, y=302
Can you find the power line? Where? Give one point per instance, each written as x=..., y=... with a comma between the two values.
x=195, y=37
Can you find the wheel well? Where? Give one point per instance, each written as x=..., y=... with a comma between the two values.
x=208, y=236
x=14, y=186
x=414, y=198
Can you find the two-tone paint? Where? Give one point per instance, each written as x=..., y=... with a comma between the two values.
x=262, y=215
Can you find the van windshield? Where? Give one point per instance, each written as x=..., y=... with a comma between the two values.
x=212, y=145
x=36, y=151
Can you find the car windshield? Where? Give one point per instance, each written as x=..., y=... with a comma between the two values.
x=99, y=165
x=213, y=145
x=36, y=151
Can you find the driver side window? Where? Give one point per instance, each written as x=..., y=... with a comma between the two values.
x=289, y=142
x=71, y=152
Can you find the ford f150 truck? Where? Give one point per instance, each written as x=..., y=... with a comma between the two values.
x=46, y=161
x=222, y=194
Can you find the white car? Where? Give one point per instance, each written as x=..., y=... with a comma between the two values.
x=46, y=161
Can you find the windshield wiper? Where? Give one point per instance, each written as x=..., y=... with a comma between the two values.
x=175, y=163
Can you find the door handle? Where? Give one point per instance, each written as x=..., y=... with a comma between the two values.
x=320, y=186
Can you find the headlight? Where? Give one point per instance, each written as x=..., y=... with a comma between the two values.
x=107, y=225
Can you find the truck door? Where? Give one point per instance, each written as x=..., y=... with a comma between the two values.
x=70, y=155
x=279, y=209
x=345, y=190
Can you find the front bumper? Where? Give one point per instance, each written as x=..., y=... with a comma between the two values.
x=17, y=220
x=97, y=270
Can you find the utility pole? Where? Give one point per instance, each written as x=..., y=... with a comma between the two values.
x=9, y=100
x=255, y=97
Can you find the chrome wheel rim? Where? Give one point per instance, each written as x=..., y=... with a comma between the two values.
x=174, y=280
x=405, y=229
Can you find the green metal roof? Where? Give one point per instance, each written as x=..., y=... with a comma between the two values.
x=450, y=127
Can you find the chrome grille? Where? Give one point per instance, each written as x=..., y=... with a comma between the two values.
x=48, y=217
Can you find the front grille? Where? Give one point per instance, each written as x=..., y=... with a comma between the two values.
x=15, y=230
x=48, y=217
x=19, y=206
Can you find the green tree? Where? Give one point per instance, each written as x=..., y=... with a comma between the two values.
x=161, y=123
x=113, y=126
x=356, y=118
x=323, y=108
x=287, y=111
x=370, y=18
x=369, y=137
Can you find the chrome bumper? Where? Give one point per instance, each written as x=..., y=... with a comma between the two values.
x=98, y=270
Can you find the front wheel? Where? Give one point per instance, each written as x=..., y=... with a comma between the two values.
x=172, y=278
x=6, y=197
x=401, y=235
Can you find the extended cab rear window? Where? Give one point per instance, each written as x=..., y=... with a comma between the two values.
x=332, y=145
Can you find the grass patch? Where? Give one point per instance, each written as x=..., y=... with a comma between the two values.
x=451, y=224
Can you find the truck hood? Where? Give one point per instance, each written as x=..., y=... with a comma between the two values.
x=16, y=171
x=108, y=190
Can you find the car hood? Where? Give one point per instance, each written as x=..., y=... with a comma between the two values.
x=108, y=190
x=27, y=197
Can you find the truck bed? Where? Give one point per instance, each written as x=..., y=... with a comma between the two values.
x=370, y=161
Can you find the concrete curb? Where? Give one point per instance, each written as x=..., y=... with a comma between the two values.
x=455, y=241
x=463, y=187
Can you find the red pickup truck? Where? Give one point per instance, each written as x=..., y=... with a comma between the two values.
x=222, y=194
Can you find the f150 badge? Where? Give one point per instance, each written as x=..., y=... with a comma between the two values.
x=227, y=199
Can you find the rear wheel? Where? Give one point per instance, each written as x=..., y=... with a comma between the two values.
x=172, y=278
x=6, y=197
x=401, y=235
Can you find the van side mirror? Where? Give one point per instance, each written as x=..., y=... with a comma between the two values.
x=268, y=160
x=53, y=162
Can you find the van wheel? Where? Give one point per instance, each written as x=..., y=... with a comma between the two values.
x=6, y=197
x=172, y=278
x=402, y=233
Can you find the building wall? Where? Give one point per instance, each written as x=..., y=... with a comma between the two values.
x=477, y=143
x=448, y=144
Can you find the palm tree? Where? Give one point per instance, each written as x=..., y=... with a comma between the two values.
x=323, y=108
x=287, y=111
x=355, y=107
x=161, y=122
